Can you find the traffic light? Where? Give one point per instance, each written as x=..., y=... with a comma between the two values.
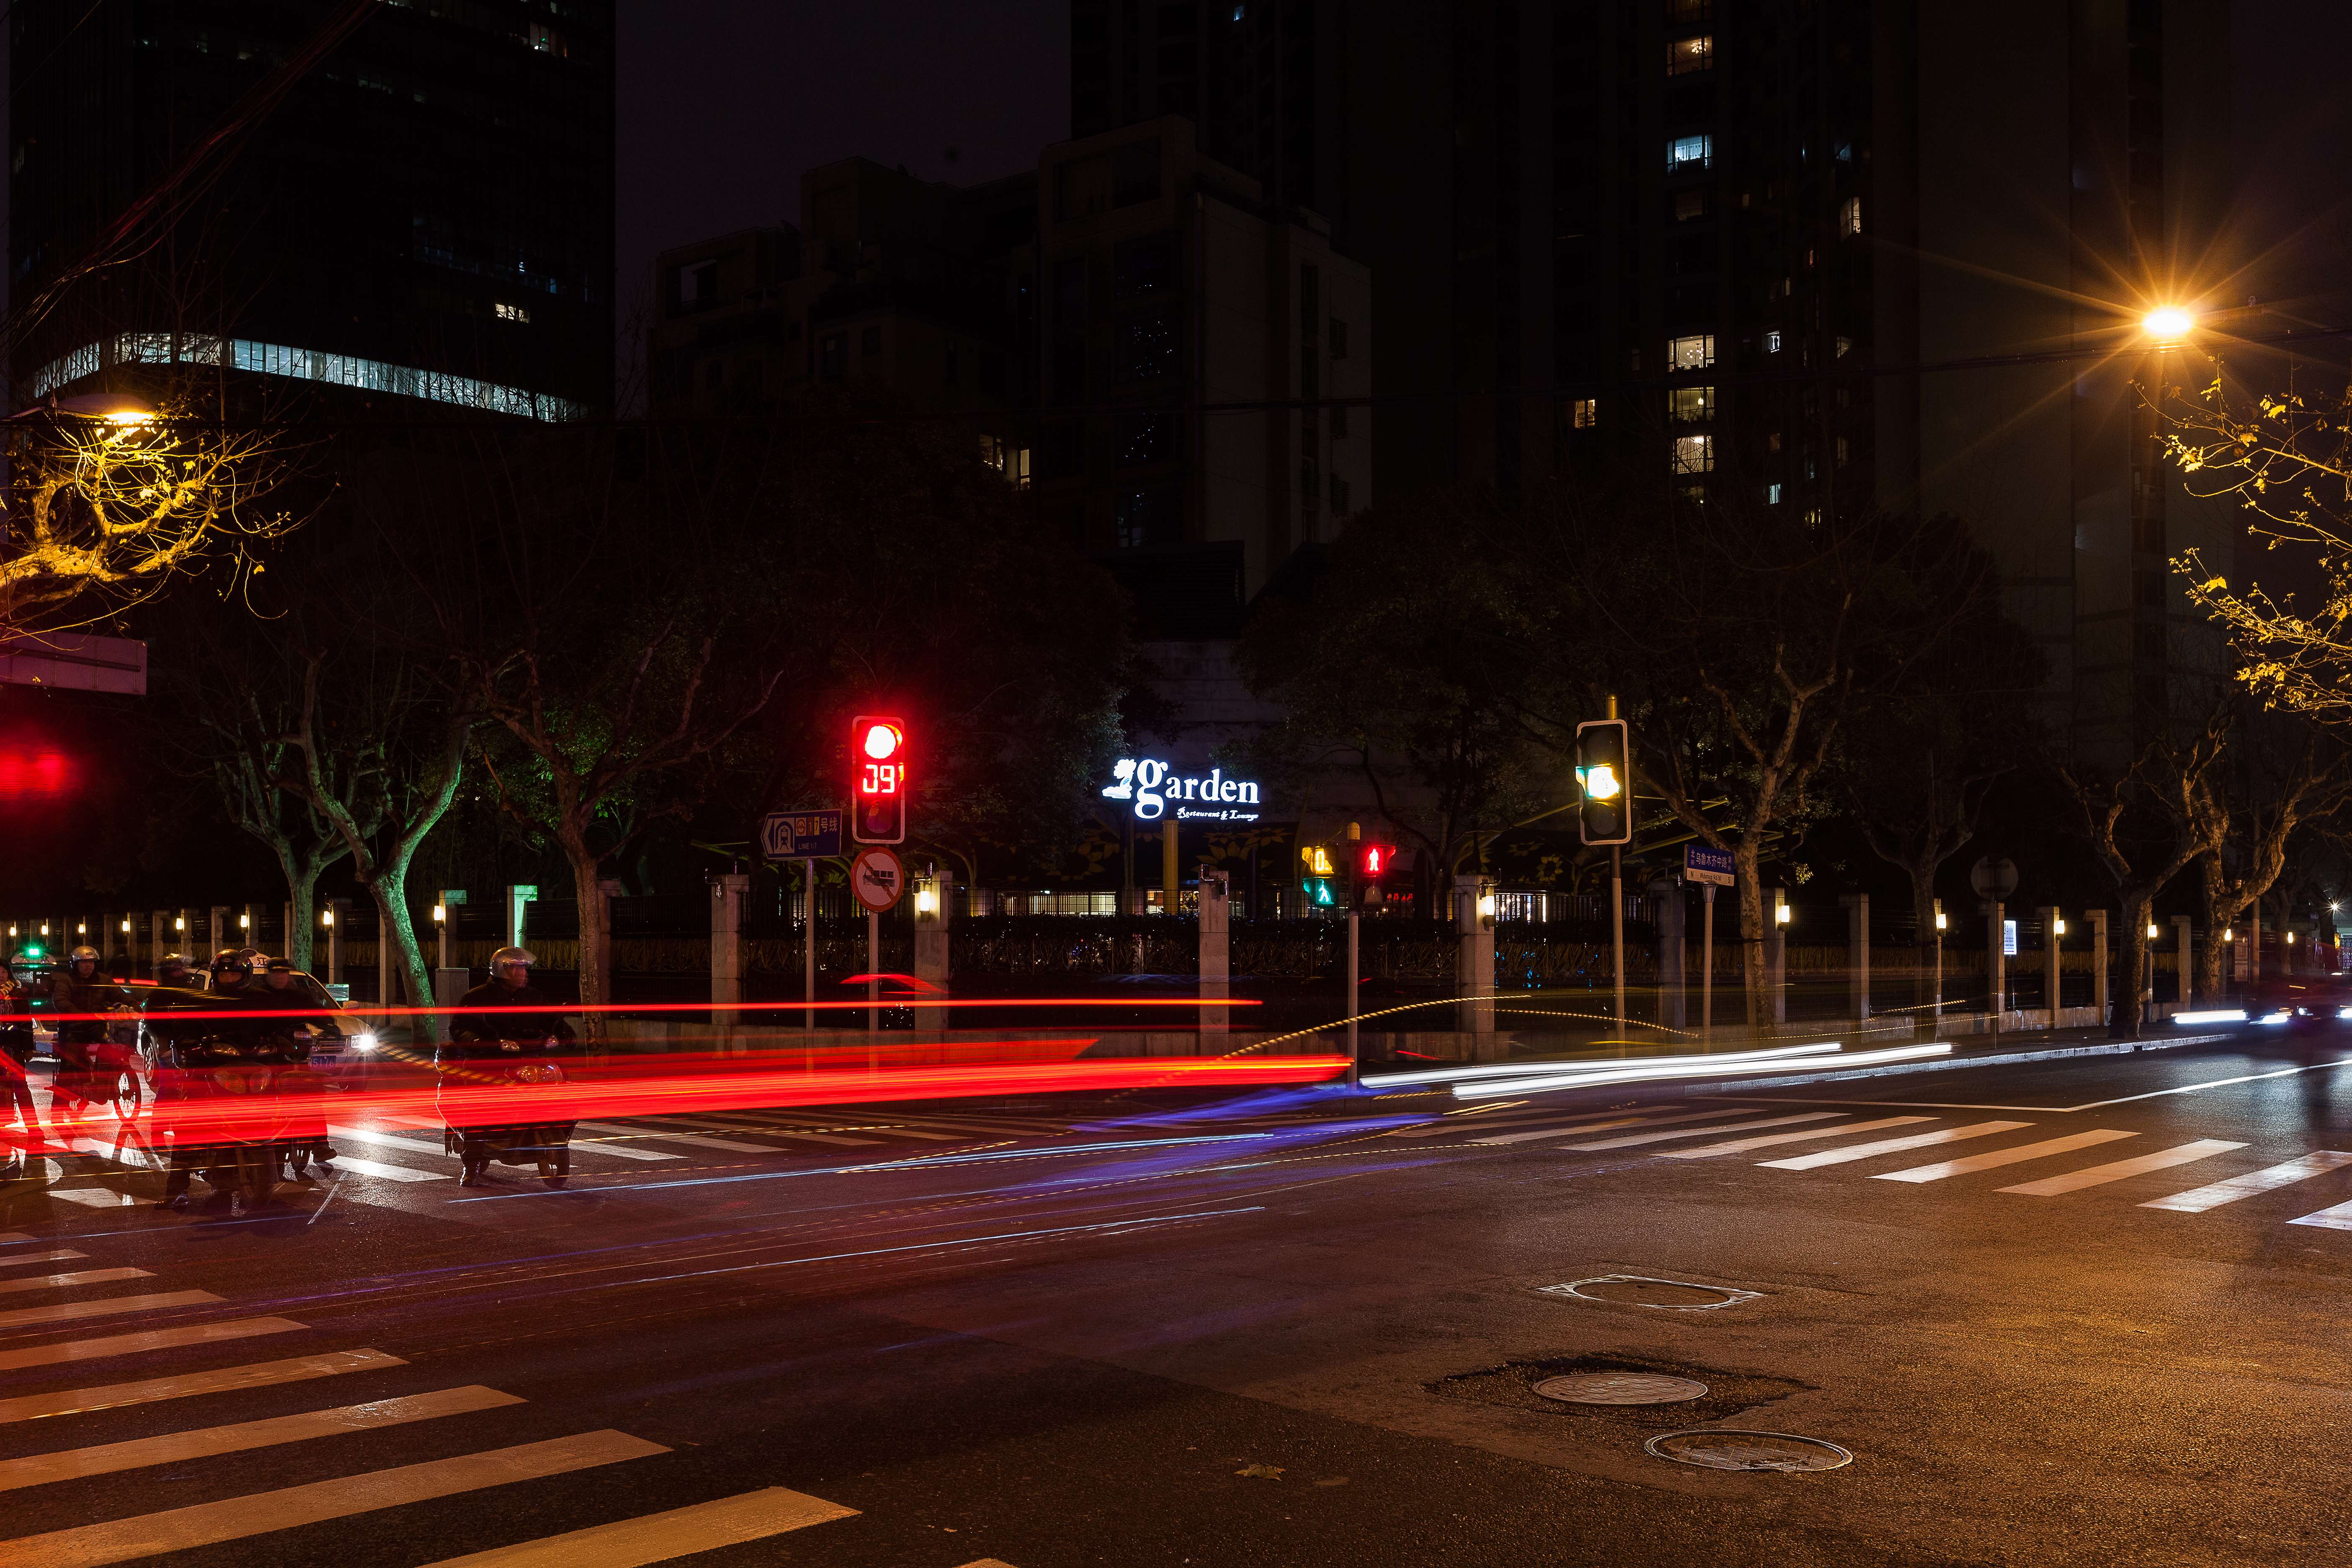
x=1372, y=862
x=877, y=794
x=1316, y=876
x=1606, y=815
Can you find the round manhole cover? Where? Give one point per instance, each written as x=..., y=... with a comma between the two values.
x=1726, y=1448
x=1621, y=1388
x=1633, y=1290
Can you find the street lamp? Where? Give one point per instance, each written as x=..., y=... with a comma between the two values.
x=2167, y=325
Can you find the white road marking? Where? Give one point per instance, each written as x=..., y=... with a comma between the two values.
x=240, y=1517
x=2100, y=1176
x=93, y=1197
x=388, y=1139
x=40, y=1257
x=598, y=1146
x=2336, y=1219
x=151, y=1340
x=1575, y=1130
x=13, y=1237
x=1741, y=1145
x=2195, y=1088
x=1478, y=1119
x=218, y=1380
x=1889, y=1146
x=697, y=1139
x=60, y=1281
x=659, y=1537
x=177, y=1447
x=1633, y=1139
x=2000, y=1157
x=71, y=1310
x=2197, y=1200
x=352, y=1164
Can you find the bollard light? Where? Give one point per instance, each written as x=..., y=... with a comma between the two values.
x=1781, y=912
x=326, y=917
x=126, y=928
x=1485, y=908
x=440, y=915
x=2228, y=934
x=1941, y=924
x=180, y=922
x=2290, y=939
x=245, y=923
x=2058, y=926
x=44, y=928
x=926, y=901
x=2152, y=931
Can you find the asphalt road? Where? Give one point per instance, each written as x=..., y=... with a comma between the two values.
x=1294, y=1330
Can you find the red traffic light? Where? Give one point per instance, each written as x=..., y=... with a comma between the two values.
x=879, y=780
x=1374, y=859
x=44, y=772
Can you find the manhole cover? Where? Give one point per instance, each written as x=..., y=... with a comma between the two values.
x=1727, y=1449
x=1621, y=1388
x=1637, y=1290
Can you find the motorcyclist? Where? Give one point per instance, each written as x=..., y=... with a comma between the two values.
x=277, y=992
x=231, y=990
x=232, y=973
x=509, y=986
x=476, y=1033
x=86, y=1066
x=16, y=1048
x=173, y=971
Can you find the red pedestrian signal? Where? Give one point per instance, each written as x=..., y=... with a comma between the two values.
x=878, y=783
x=1373, y=860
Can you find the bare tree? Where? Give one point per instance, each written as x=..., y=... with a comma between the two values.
x=2288, y=774
x=241, y=741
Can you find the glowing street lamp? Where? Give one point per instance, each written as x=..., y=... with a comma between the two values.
x=2168, y=323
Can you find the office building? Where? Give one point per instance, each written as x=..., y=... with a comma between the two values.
x=1766, y=244
x=427, y=214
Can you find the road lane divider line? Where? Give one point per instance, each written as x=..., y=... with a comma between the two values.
x=697, y=1139
x=217, y=1380
x=2000, y=1157
x=2100, y=1176
x=65, y=1256
x=11, y=1238
x=148, y=1340
x=2197, y=1200
x=66, y=1281
x=1770, y=1139
x=202, y=1443
x=260, y=1513
x=660, y=1537
x=1578, y=1129
x=25, y=1317
x=352, y=1164
x=1632, y=1140
x=1890, y=1146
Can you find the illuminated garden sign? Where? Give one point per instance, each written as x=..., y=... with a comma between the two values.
x=1152, y=787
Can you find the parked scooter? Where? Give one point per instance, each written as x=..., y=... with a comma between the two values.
x=236, y=1100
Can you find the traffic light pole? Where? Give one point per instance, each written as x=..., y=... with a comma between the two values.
x=873, y=967
x=1617, y=891
x=1354, y=1059
x=1707, y=966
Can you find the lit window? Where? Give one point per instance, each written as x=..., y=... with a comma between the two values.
x=512, y=313
x=1694, y=453
x=302, y=364
x=1686, y=154
x=1812, y=517
x=1850, y=215
x=1584, y=413
x=1772, y=495
x=1694, y=352
x=1686, y=55
x=1772, y=341
x=1689, y=405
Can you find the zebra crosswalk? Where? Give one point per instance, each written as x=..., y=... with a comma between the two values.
x=1664, y=1131
x=42, y=1445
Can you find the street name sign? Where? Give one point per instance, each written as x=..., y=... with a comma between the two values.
x=878, y=878
x=800, y=835
x=1702, y=863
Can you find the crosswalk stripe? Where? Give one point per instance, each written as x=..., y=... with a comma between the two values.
x=2100, y=1176
x=151, y=1339
x=61, y=1281
x=68, y=1311
x=432, y=1145
x=773, y=1131
x=216, y=1380
x=2000, y=1157
x=352, y=1164
x=1741, y=1145
x=2197, y=1200
x=1550, y=1115
x=1890, y=1146
x=94, y=1197
x=1577, y=1131
x=699, y=1140
x=173, y=1447
x=983, y=1124
x=659, y=1537
x=1631, y=1139
x=597, y=1146
x=240, y=1517
x=40, y=1257
x=13, y=1237
x=2336, y=1219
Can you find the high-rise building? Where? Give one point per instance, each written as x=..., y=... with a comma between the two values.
x=426, y=212
x=1842, y=253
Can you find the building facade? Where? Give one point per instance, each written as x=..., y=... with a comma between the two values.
x=1840, y=252
x=1177, y=372
x=423, y=210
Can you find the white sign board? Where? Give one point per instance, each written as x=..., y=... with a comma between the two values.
x=878, y=878
x=1152, y=789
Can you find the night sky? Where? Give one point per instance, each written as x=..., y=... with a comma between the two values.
x=725, y=102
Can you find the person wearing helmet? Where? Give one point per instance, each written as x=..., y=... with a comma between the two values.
x=509, y=986
x=231, y=971
x=173, y=971
x=16, y=1051
x=78, y=990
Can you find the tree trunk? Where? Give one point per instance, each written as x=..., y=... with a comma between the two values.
x=2218, y=918
x=1744, y=862
x=302, y=873
x=595, y=984
x=2130, y=1013
x=1923, y=867
x=390, y=889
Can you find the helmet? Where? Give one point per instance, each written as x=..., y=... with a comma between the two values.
x=231, y=961
x=506, y=955
x=83, y=954
x=253, y=957
x=172, y=961
x=280, y=966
